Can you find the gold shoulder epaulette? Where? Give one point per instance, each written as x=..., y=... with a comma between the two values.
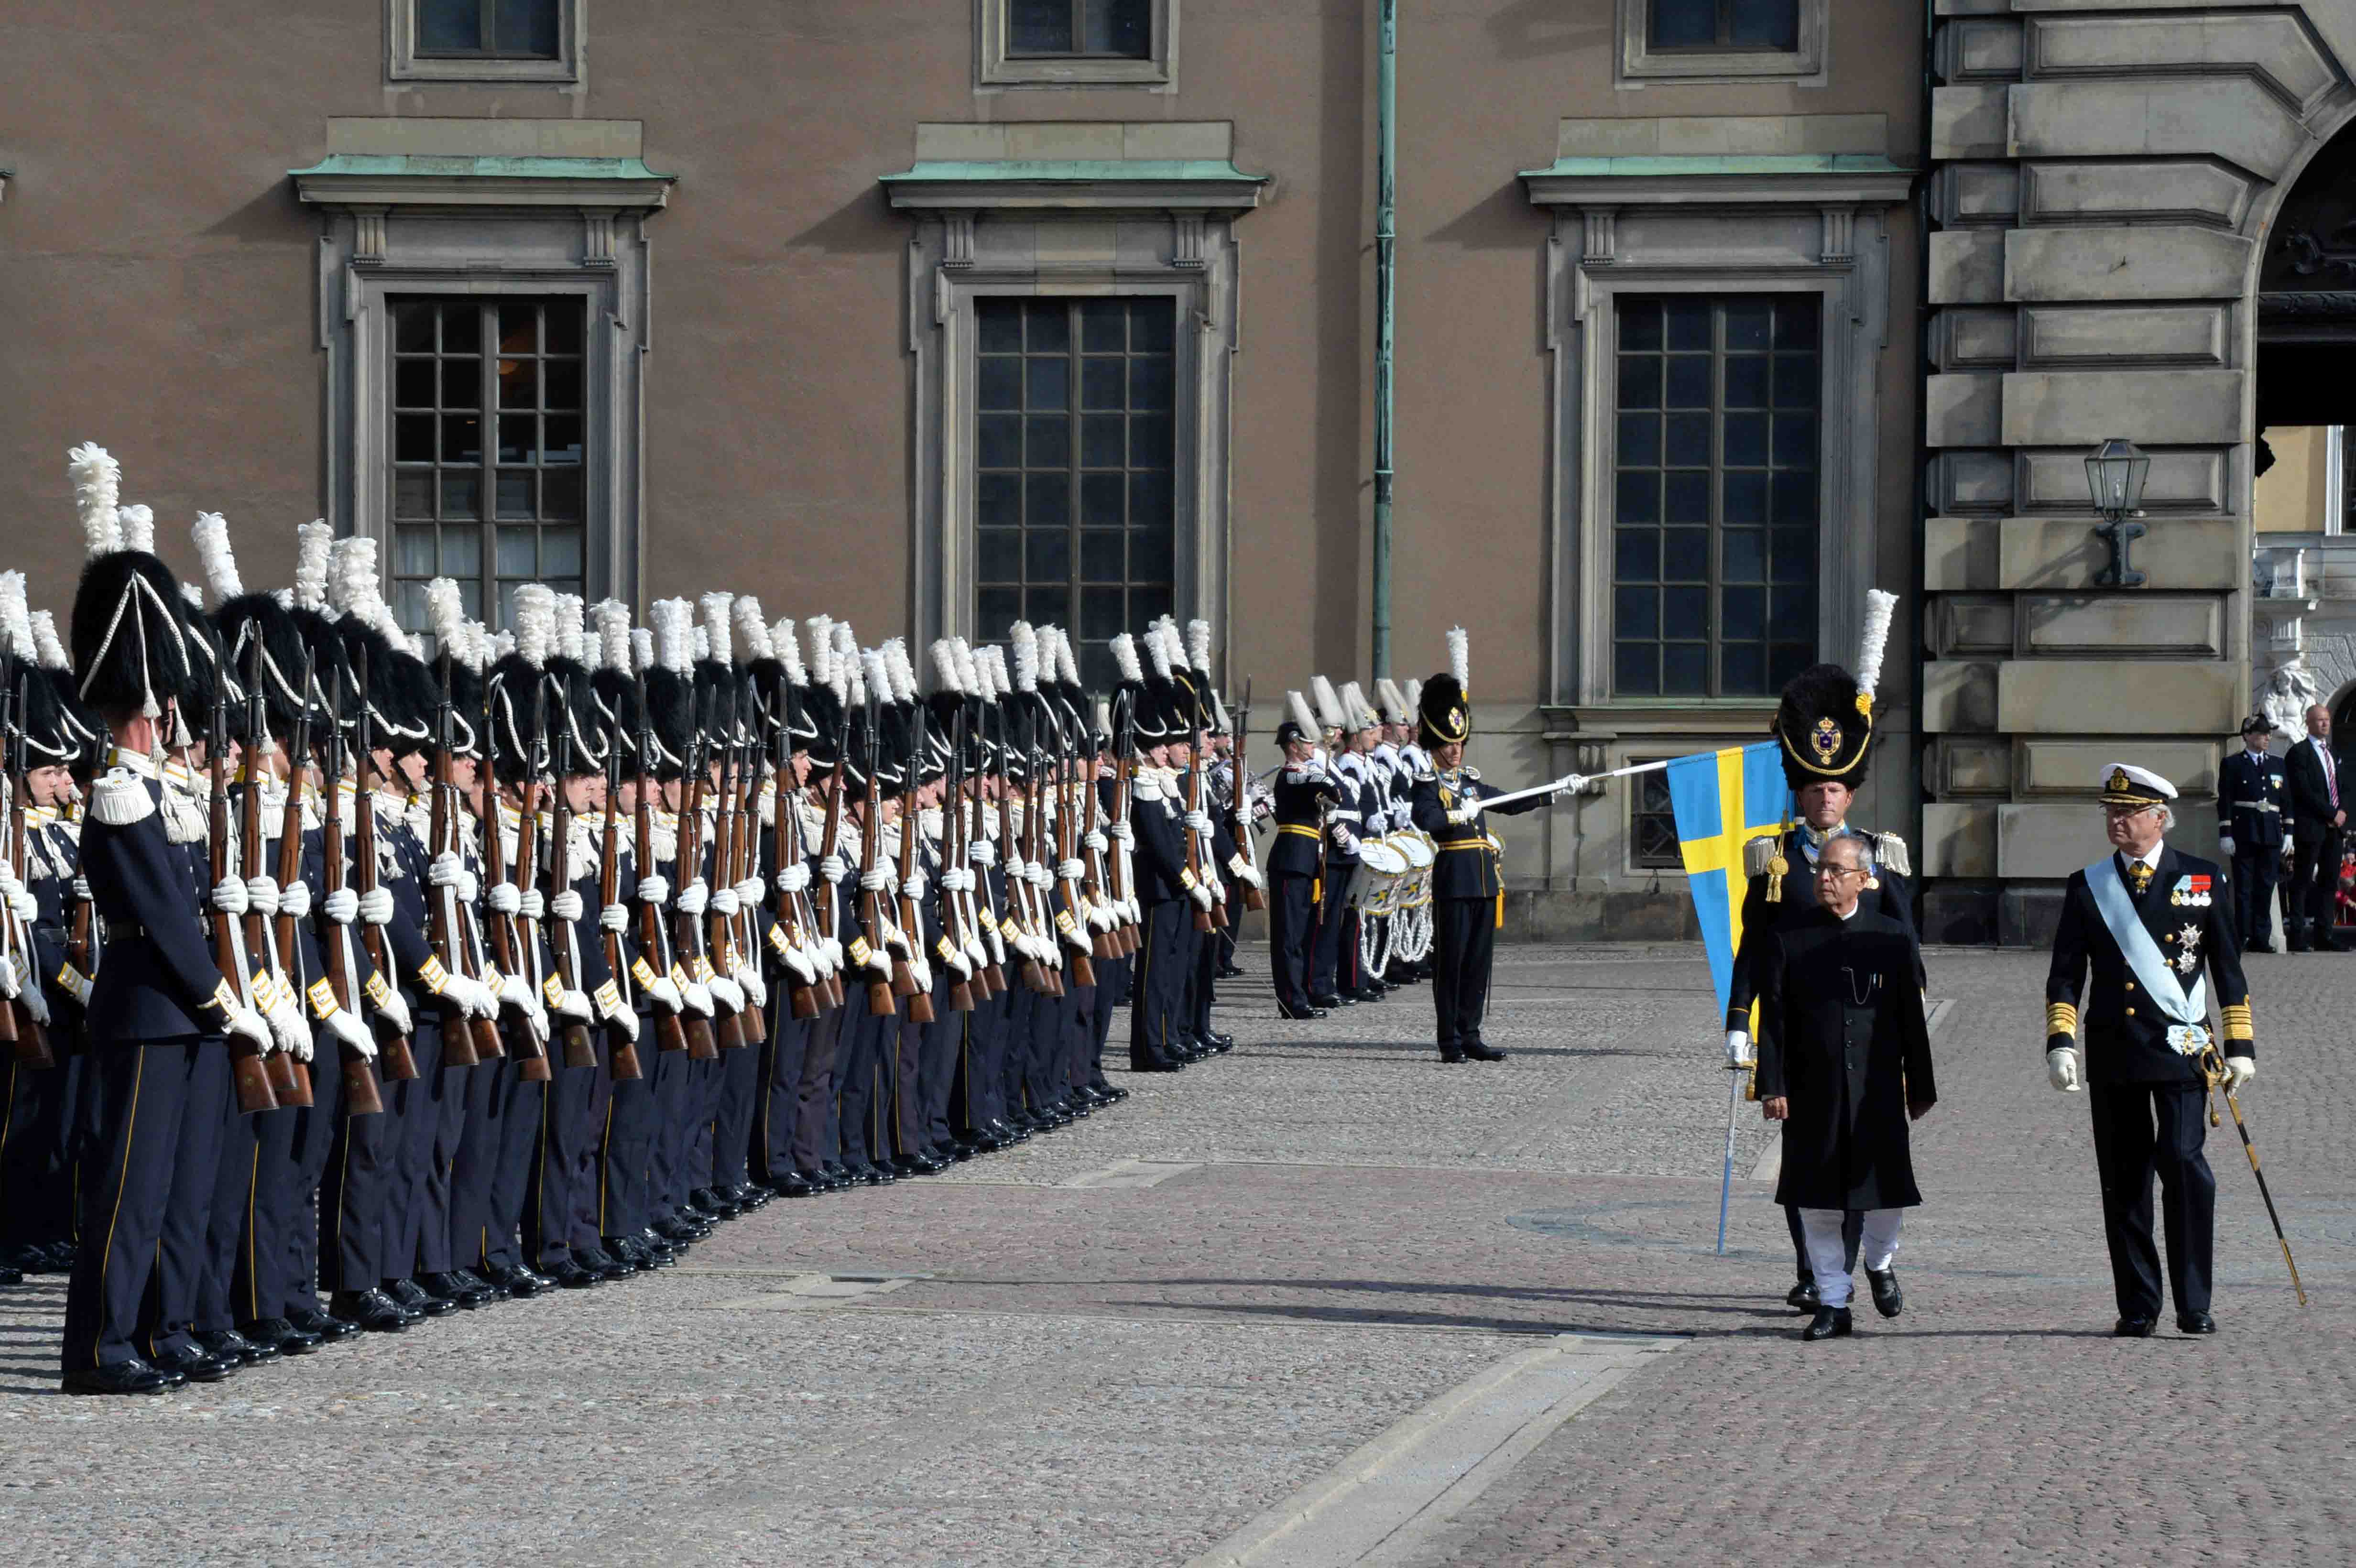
x=1758, y=852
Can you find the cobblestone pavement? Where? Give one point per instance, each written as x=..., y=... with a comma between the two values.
x=1117, y=1344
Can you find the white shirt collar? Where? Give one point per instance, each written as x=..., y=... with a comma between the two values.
x=2151, y=859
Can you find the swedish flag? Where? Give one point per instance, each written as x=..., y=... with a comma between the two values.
x=1722, y=800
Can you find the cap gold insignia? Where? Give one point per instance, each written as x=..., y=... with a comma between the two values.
x=2118, y=779
x=1827, y=740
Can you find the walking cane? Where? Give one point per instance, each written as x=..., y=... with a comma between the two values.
x=2212, y=1073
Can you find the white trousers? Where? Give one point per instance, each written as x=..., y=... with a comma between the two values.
x=1827, y=1258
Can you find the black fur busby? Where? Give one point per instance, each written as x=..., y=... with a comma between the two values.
x=1825, y=731
x=265, y=647
x=1442, y=715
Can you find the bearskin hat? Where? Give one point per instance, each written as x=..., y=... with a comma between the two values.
x=1825, y=720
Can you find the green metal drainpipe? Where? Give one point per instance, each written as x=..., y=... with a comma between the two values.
x=1386, y=263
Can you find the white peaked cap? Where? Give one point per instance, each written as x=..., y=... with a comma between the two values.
x=1299, y=705
x=1329, y=705
x=2114, y=772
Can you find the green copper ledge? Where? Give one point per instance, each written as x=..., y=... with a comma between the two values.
x=1730, y=163
x=1077, y=170
x=431, y=166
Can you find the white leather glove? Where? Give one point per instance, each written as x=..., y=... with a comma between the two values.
x=833, y=949
x=349, y=1030
x=653, y=890
x=475, y=998
x=794, y=879
x=295, y=900
x=245, y=1022
x=693, y=898
x=1124, y=834
x=914, y=888
x=262, y=895
x=565, y=905
x=342, y=906
x=24, y=905
x=515, y=992
x=721, y=901
x=375, y=907
x=447, y=871
x=2061, y=1068
x=12, y=980
x=956, y=879
x=1203, y=895
x=698, y=997
x=666, y=991
x=833, y=868
x=2239, y=1071
x=1197, y=822
x=1344, y=840
x=982, y=852
x=536, y=1020
x=394, y=1013
x=756, y=991
x=1038, y=874
x=574, y=1006
x=229, y=896
x=614, y=918
x=626, y=1021
x=502, y=898
x=532, y=904
x=875, y=881
x=1072, y=870
x=1465, y=813
x=750, y=892
x=1738, y=1050
x=287, y=1027
x=10, y=883
x=2225, y=842
x=1097, y=841
x=37, y=1008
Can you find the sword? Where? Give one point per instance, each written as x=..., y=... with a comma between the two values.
x=2212, y=1073
x=1726, y=1176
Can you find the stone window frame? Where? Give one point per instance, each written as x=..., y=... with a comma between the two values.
x=404, y=64
x=997, y=70
x=383, y=237
x=1638, y=64
x=1808, y=230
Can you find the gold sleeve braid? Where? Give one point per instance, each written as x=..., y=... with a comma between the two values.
x=2238, y=1026
x=2061, y=1017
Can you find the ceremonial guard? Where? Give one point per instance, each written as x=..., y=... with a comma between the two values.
x=2147, y=920
x=2319, y=828
x=1343, y=822
x=2254, y=824
x=1304, y=793
x=1824, y=725
x=1844, y=1064
x=1468, y=886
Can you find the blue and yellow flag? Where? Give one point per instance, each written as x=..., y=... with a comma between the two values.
x=1722, y=801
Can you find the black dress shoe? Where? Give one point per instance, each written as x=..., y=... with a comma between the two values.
x=230, y=1345
x=604, y=1264
x=1221, y=1043
x=713, y=1202
x=679, y=1231
x=747, y=1196
x=793, y=1184
x=59, y=1259
x=449, y=1287
x=2259, y=947
x=372, y=1310
x=469, y=1279
x=326, y=1326
x=571, y=1275
x=520, y=1283
x=196, y=1364
x=11, y=1275
x=1302, y=1014
x=1829, y=1323
x=1888, y=1299
x=409, y=1294
x=1327, y=1003
x=2195, y=1323
x=280, y=1338
x=1228, y=972
x=134, y=1376
x=2134, y=1327
x=1477, y=1052
x=1802, y=1297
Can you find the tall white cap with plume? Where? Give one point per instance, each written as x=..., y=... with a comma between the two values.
x=312, y=542
x=1329, y=706
x=1025, y=644
x=445, y=614
x=715, y=627
x=1880, y=608
x=1395, y=704
x=1124, y=658
x=139, y=525
x=535, y=621
x=572, y=638
x=944, y=665
x=1355, y=709
x=1299, y=705
x=214, y=558
x=46, y=644
x=15, y=617
x=612, y=635
x=97, y=490
x=674, y=641
x=786, y=643
x=1460, y=658
x=753, y=642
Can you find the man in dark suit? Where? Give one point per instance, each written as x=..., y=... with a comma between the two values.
x=2145, y=919
x=2318, y=818
x=1844, y=1064
x=2253, y=822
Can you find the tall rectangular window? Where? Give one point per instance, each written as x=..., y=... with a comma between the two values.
x=487, y=449
x=1651, y=822
x=1717, y=494
x=1723, y=25
x=1097, y=30
x=1075, y=448
x=489, y=29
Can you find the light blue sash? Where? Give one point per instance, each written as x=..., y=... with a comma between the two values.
x=2143, y=954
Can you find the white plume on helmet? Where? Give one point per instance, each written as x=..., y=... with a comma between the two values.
x=968, y=678
x=674, y=638
x=999, y=685
x=572, y=636
x=903, y=673
x=642, y=649
x=215, y=558
x=1068, y=664
x=15, y=617
x=821, y=659
x=312, y=542
x=193, y=595
x=849, y=685
x=786, y=643
x=97, y=490
x=1024, y=641
x=751, y=630
x=1460, y=657
x=45, y=642
x=874, y=677
x=139, y=525
x=1880, y=608
x=1124, y=658
x=535, y=621
x=612, y=635
x=714, y=627
x=445, y=613
x=944, y=665
x=1198, y=644
x=1158, y=651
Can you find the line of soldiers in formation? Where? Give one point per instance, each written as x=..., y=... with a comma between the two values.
x=286, y=1017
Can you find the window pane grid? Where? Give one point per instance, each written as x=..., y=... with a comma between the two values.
x=488, y=450
x=1075, y=446
x=487, y=29
x=1724, y=26
x=1651, y=822
x=1716, y=494
x=1080, y=29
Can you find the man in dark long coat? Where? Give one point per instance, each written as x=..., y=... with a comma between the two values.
x=1844, y=1064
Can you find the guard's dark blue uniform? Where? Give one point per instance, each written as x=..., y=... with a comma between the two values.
x=1296, y=872
x=1467, y=884
x=2254, y=811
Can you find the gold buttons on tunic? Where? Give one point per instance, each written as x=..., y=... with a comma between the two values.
x=2130, y=1012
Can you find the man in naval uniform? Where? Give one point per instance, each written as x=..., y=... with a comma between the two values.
x=2254, y=823
x=2145, y=919
x=1844, y=1064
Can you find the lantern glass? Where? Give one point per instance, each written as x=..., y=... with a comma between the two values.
x=2114, y=474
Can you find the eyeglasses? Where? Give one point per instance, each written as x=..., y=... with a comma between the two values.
x=1836, y=872
x=2121, y=813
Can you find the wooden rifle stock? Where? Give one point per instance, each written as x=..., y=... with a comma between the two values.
x=789, y=921
x=831, y=919
x=1254, y=900
x=704, y=1036
x=745, y=941
x=989, y=980
x=459, y=1047
x=670, y=1034
x=622, y=1049
x=361, y=1097
x=953, y=858
x=883, y=995
x=730, y=1024
x=1030, y=972
x=20, y=1028
x=920, y=1002
x=1084, y=973
x=580, y=1050
x=246, y=1069
x=395, y=1062
x=1124, y=798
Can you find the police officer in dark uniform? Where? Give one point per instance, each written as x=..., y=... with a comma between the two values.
x=1303, y=792
x=1467, y=879
x=2254, y=821
x=2146, y=919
